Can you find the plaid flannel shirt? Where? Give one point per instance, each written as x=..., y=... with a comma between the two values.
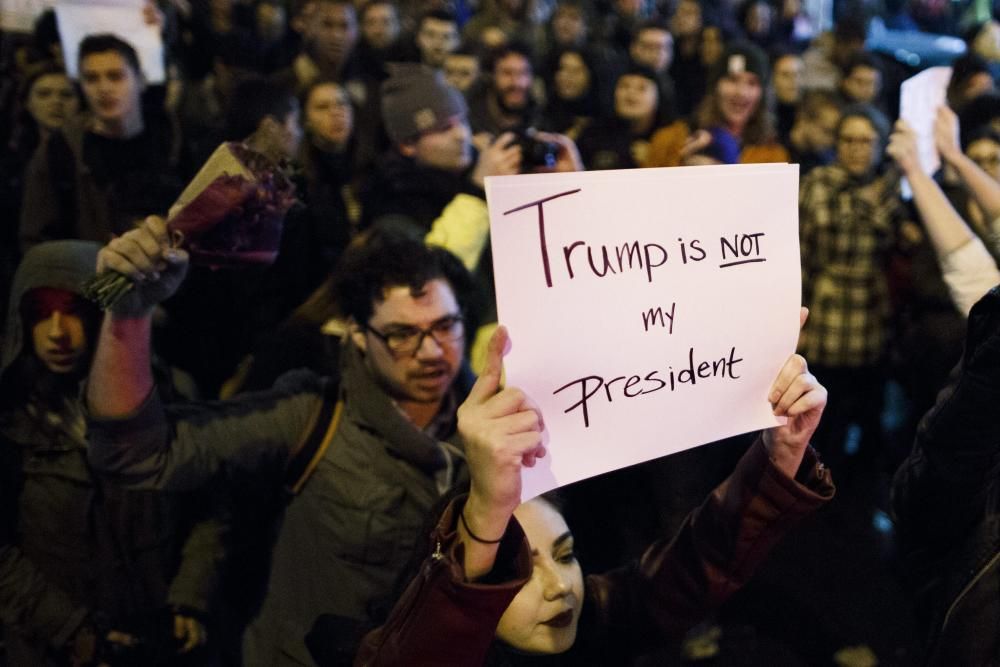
x=847, y=232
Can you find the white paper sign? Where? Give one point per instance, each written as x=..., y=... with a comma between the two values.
x=124, y=18
x=649, y=309
x=919, y=99
x=20, y=15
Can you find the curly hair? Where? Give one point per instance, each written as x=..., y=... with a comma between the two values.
x=386, y=257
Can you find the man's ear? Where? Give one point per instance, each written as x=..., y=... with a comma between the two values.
x=357, y=335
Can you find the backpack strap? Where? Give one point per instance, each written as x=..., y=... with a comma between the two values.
x=304, y=458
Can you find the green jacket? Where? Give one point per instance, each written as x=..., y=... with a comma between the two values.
x=343, y=539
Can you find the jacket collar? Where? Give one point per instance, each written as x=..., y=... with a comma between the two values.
x=373, y=410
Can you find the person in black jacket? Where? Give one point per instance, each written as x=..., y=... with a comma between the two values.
x=946, y=502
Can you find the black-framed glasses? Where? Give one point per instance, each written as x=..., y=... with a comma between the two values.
x=407, y=340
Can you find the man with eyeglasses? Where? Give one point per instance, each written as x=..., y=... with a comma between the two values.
x=381, y=436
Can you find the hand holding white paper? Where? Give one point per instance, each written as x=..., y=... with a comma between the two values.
x=919, y=99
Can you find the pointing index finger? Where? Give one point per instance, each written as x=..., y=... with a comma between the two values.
x=488, y=382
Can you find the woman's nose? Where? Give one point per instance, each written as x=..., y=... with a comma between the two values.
x=56, y=329
x=556, y=585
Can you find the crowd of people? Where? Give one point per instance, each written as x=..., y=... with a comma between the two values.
x=294, y=463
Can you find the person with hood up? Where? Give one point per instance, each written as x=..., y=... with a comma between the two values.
x=87, y=570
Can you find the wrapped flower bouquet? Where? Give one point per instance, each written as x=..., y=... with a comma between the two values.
x=231, y=214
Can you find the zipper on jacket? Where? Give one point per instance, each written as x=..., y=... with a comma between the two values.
x=437, y=555
x=968, y=587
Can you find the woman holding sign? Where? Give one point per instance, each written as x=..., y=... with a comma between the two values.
x=502, y=581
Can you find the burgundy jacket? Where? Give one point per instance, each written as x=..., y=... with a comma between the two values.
x=443, y=620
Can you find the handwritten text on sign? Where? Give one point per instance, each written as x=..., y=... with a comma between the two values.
x=650, y=310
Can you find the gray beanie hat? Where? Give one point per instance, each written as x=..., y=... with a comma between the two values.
x=415, y=99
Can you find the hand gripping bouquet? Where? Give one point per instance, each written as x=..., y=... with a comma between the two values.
x=231, y=214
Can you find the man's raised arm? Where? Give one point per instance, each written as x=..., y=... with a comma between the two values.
x=120, y=376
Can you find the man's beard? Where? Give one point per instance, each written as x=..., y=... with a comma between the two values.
x=508, y=109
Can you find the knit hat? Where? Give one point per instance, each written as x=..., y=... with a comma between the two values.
x=741, y=57
x=415, y=99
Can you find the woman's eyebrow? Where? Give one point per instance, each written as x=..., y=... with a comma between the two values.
x=562, y=538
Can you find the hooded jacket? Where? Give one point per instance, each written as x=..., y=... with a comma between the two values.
x=71, y=545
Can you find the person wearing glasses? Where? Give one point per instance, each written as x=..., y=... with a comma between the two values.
x=382, y=438
x=851, y=222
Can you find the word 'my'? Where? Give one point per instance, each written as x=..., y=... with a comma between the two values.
x=650, y=316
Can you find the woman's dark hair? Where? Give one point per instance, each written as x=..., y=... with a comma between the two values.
x=253, y=101
x=597, y=100
x=664, y=113
x=33, y=74
x=759, y=128
x=317, y=159
x=551, y=66
x=556, y=499
x=306, y=92
x=25, y=135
